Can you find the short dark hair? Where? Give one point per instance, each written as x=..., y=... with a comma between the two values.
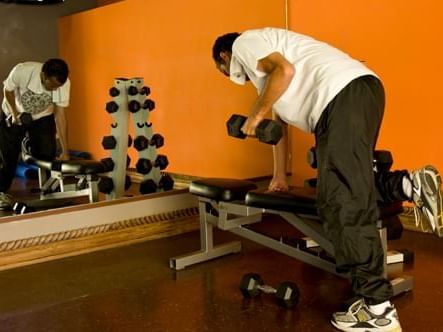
x=56, y=68
x=223, y=44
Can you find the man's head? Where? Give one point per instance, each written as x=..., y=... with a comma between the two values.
x=54, y=74
x=222, y=51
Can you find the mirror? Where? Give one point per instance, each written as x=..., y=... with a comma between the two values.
x=30, y=33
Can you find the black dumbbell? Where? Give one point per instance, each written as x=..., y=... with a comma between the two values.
x=311, y=157
x=108, y=164
x=157, y=140
x=24, y=119
x=149, y=104
x=132, y=90
x=109, y=142
x=166, y=182
x=148, y=187
x=111, y=107
x=145, y=91
x=161, y=161
x=382, y=161
x=105, y=185
x=143, y=166
x=114, y=92
x=128, y=182
x=287, y=293
x=141, y=143
x=267, y=131
x=134, y=106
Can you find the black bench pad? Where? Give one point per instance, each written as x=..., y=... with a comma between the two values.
x=303, y=200
x=221, y=189
x=297, y=200
x=70, y=166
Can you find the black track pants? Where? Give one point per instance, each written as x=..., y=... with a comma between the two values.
x=347, y=196
x=42, y=144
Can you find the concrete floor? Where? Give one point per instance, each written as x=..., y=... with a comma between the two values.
x=132, y=288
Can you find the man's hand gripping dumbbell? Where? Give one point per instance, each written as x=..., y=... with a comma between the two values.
x=268, y=131
x=22, y=119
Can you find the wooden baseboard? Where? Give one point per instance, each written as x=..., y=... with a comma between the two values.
x=115, y=235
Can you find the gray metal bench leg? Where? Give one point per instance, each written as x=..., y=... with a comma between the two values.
x=207, y=250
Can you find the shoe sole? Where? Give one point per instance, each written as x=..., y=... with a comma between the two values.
x=353, y=329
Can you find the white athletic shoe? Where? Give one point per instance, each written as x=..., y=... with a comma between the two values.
x=360, y=318
x=427, y=196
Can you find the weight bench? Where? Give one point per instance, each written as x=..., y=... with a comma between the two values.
x=59, y=179
x=233, y=205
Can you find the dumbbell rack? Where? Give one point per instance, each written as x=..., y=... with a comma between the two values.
x=129, y=97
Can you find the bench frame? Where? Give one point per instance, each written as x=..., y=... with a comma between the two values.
x=234, y=216
x=52, y=181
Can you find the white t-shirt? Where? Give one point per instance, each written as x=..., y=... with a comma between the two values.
x=30, y=94
x=321, y=71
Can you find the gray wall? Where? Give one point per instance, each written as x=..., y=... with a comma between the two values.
x=30, y=32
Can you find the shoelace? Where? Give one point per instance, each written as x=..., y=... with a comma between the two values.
x=356, y=307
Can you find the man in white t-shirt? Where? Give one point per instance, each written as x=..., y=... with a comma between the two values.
x=39, y=91
x=322, y=90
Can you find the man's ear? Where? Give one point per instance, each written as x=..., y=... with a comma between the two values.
x=224, y=56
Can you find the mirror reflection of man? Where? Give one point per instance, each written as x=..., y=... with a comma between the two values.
x=42, y=91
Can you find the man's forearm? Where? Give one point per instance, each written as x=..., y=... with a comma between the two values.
x=276, y=84
x=62, y=128
x=10, y=98
x=280, y=152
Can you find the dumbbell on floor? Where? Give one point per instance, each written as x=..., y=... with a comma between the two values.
x=268, y=131
x=287, y=293
x=24, y=119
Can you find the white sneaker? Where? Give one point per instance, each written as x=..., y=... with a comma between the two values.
x=427, y=196
x=5, y=201
x=360, y=318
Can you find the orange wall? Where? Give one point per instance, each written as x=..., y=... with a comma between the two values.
x=171, y=49
x=401, y=41
x=106, y=2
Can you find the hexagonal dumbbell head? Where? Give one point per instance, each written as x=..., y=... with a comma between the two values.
x=311, y=157
x=114, y=92
x=287, y=294
x=109, y=142
x=128, y=182
x=111, y=107
x=269, y=131
x=166, y=182
x=141, y=143
x=132, y=90
x=149, y=104
x=148, y=187
x=145, y=91
x=134, y=106
x=234, y=125
x=249, y=283
x=161, y=161
x=157, y=140
x=382, y=161
x=143, y=166
x=108, y=164
x=106, y=185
